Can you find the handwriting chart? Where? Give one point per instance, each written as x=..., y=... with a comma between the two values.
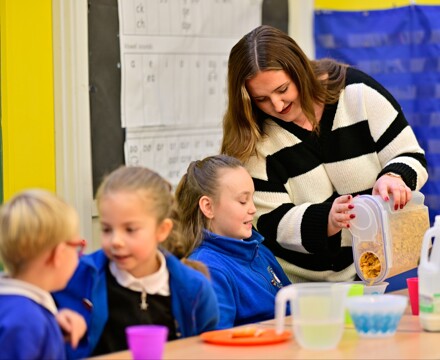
x=174, y=56
x=169, y=152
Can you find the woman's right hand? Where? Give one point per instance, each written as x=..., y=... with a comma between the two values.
x=338, y=216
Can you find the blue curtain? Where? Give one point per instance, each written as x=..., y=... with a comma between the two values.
x=400, y=48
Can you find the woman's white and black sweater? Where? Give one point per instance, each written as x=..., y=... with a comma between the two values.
x=297, y=175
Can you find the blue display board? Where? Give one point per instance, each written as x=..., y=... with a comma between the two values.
x=400, y=48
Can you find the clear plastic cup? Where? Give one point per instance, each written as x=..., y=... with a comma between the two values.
x=375, y=289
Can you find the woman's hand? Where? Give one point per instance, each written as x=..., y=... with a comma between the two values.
x=338, y=216
x=388, y=185
x=72, y=325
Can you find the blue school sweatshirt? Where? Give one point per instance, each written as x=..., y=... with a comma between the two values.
x=193, y=301
x=28, y=330
x=246, y=277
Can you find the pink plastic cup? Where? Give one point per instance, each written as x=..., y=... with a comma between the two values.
x=413, y=291
x=146, y=342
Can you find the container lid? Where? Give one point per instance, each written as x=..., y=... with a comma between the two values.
x=368, y=219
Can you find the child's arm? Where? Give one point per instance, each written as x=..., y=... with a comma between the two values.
x=72, y=324
x=226, y=298
x=207, y=310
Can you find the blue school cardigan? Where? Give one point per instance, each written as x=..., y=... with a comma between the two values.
x=246, y=277
x=193, y=301
x=28, y=330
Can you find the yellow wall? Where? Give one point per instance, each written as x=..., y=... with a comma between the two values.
x=27, y=99
x=356, y=5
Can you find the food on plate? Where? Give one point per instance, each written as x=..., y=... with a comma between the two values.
x=247, y=331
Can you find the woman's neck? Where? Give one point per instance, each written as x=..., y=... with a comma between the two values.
x=305, y=123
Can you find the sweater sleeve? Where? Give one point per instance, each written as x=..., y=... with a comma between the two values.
x=396, y=144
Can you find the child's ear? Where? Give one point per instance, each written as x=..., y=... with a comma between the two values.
x=164, y=229
x=54, y=257
x=206, y=206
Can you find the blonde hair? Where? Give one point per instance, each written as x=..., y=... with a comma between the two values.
x=201, y=179
x=268, y=48
x=154, y=190
x=31, y=222
x=159, y=200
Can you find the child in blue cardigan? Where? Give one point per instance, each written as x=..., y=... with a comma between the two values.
x=38, y=246
x=131, y=281
x=217, y=210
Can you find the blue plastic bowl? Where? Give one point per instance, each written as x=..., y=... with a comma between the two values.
x=376, y=315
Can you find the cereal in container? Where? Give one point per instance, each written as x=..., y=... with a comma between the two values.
x=387, y=242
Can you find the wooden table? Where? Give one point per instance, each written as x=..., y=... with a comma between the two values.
x=409, y=342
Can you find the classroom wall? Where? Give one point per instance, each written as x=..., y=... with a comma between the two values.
x=72, y=109
x=27, y=97
x=44, y=93
x=44, y=100
x=358, y=5
x=301, y=15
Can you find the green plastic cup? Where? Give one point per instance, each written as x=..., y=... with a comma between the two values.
x=355, y=290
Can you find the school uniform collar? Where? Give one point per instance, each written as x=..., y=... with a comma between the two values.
x=10, y=286
x=245, y=249
x=156, y=283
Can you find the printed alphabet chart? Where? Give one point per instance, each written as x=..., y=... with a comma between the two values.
x=174, y=56
x=169, y=151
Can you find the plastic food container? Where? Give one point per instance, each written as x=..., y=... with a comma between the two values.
x=376, y=316
x=387, y=242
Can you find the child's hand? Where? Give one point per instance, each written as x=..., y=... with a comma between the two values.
x=72, y=325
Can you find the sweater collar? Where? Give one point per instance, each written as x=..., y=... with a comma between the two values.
x=245, y=249
x=10, y=286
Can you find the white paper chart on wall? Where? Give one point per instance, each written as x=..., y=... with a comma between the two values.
x=174, y=57
x=170, y=151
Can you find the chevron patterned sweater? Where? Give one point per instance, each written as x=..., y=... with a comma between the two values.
x=297, y=175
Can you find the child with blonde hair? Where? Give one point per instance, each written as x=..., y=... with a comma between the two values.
x=38, y=247
x=133, y=280
x=216, y=205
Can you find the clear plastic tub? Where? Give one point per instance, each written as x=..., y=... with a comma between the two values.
x=375, y=289
x=387, y=242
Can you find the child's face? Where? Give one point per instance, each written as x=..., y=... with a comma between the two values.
x=234, y=209
x=130, y=233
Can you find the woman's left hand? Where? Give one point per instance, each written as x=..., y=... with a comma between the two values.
x=388, y=185
x=339, y=216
